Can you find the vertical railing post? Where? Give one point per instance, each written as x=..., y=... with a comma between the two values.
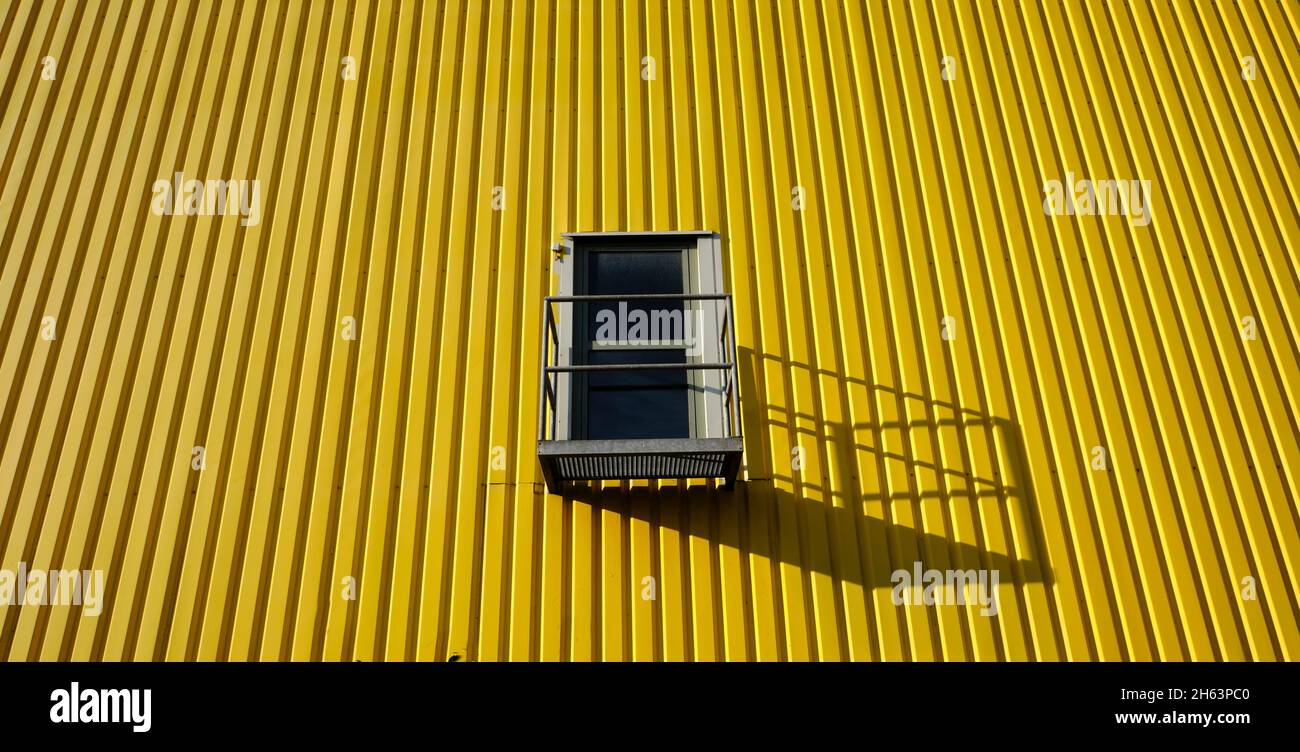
x=554, y=383
x=546, y=357
x=724, y=332
x=735, y=366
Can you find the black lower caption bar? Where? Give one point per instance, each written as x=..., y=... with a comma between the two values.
x=372, y=701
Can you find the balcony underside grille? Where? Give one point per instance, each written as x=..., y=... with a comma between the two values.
x=618, y=467
x=564, y=461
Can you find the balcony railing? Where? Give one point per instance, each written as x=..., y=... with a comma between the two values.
x=566, y=459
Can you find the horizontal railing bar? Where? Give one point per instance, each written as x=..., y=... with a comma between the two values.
x=637, y=296
x=642, y=367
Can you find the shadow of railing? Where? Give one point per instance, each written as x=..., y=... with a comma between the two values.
x=982, y=467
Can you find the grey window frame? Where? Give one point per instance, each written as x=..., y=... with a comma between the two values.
x=702, y=272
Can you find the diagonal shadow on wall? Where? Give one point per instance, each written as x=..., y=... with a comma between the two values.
x=924, y=480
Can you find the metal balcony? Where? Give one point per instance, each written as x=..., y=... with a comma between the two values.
x=564, y=459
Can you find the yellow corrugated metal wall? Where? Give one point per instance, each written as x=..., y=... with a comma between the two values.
x=929, y=360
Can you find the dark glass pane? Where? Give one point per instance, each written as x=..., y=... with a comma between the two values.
x=649, y=404
x=635, y=273
x=621, y=272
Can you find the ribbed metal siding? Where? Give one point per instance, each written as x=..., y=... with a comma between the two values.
x=374, y=458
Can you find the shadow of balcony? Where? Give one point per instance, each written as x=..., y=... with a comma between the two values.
x=865, y=503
